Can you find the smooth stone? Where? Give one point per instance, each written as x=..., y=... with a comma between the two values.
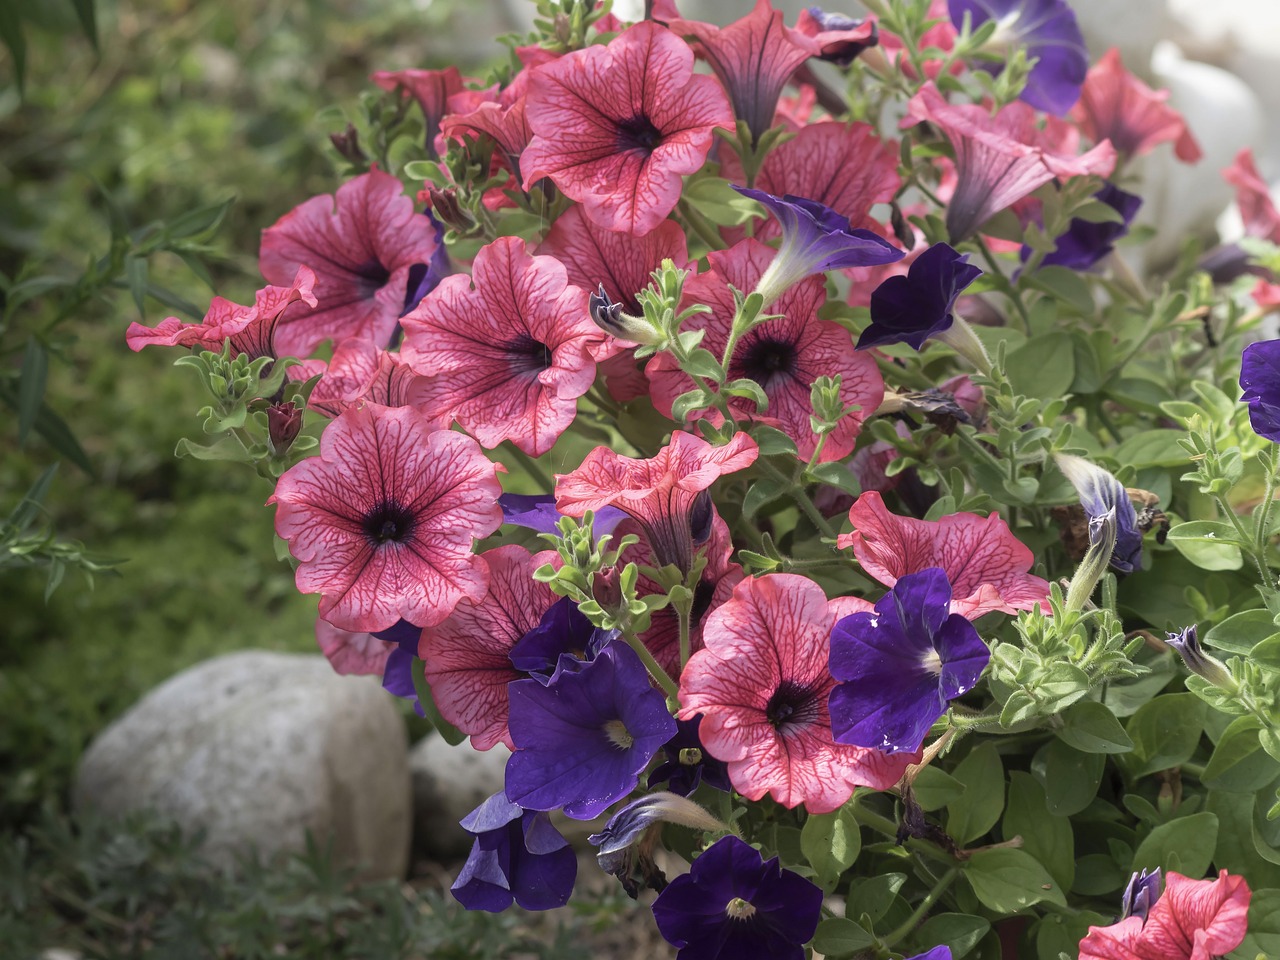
x=1134, y=27
x=448, y=783
x=257, y=749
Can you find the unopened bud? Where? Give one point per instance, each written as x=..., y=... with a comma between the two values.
x=606, y=588
x=284, y=421
x=444, y=204
x=1187, y=643
x=608, y=316
x=347, y=143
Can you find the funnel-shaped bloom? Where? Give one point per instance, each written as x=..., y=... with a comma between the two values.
x=1187, y=642
x=431, y=89
x=1117, y=106
x=1192, y=920
x=509, y=350
x=912, y=308
x=985, y=564
x=900, y=665
x=361, y=370
x=1260, y=381
x=761, y=684
x=518, y=855
x=1050, y=34
x=999, y=160
x=1104, y=498
x=688, y=764
x=754, y=57
x=1087, y=241
x=815, y=239
x=784, y=356
x=384, y=519
x=840, y=38
x=1253, y=197
x=617, y=127
x=362, y=242
x=583, y=740
x=734, y=904
x=662, y=493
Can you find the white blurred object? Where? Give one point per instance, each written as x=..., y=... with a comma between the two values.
x=1134, y=27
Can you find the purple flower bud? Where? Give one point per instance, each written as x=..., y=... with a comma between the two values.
x=1141, y=894
x=1187, y=643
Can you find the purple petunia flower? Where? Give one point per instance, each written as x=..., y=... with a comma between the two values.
x=937, y=953
x=901, y=664
x=1260, y=381
x=582, y=740
x=517, y=855
x=814, y=239
x=538, y=512
x=1103, y=496
x=397, y=675
x=563, y=630
x=912, y=308
x=732, y=903
x=1048, y=30
x=688, y=764
x=1141, y=894
x=1086, y=242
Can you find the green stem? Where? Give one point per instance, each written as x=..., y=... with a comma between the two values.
x=683, y=611
x=532, y=468
x=887, y=827
x=1006, y=284
x=939, y=888
x=1248, y=542
x=700, y=225
x=1262, y=518
x=802, y=499
x=669, y=686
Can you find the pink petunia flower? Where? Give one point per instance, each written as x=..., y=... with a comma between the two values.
x=617, y=127
x=508, y=350
x=1253, y=197
x=842, y=166
x=1266, y=294
x=361, y=242
x=431, y=89
x=251, y=330
x=940, y=36
x=754, y=57
x=383, y=520
x=1001, y=159
x=361, y=370
x=984, y=562
x=761, y=684
x=467, y=656
x=784, y=356
x=1117, y=106
x=662, y=493
x=1192, y=920
x=352, y=654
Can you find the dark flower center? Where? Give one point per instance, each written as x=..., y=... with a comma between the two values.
x=767, y=359
x=791, y=705
x=638, y=133
x=371, y=276
x=528, y=355
x=388, y=522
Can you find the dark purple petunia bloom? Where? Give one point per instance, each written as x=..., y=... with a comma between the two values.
x=1048, y=30
x=517, y=855
x=582, y=740
x=912, y=308
x=1260, y=381
x=814, y=239
x=538, y=512
x=937, y=953
x=688, y=764
x=901, y=664
x=1102, y=495
x=1141, y=894
x=563, y=630
x=1087, y=242
x=734, y=904
x=397, y=675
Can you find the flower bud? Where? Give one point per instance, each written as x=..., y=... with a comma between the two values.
x=444, y=204
x=284, y=421
x=606, y=589
x=608, y=316
x=1187, y=643
x=347, y=143
x=1141, y=894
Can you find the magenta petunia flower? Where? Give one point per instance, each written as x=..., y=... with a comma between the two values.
x=842, y=166
x=361, y=242
x=1253, y=197
x=1191, y=920
x=664, y=493
x=754, y=57
x=431, y=89
x=616, y=127
x=761, y=683
x=384, y=519
x=468, y=655
x=784, y=356
x=361, y=370
x=251, y=330
x=509, y=350
x=1117, y=106
x=999, y=159
x=984, y=562
x=839, y=38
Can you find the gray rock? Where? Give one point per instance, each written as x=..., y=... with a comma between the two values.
x=448, y=783
x=257, y=749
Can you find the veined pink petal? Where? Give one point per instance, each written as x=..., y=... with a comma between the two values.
x=384, y=519
x=1253, y=196
x=761, y=684
x=360, y=370
x=986, y=564
x=358, y=654
x=506, y=124
x=467, y=656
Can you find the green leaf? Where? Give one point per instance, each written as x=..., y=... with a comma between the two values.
x=686, y=403
x=1209, y=544
x=88, y=20
x=1165, y=732
x=1060, y=933
x=836, y=475
x=1240, y=632
x=839, y=937
x=959, y=931
x=976, y=811
x=772, y=442
x=31, y=383
x=1066, y=285
x=29, y=506
x=1043, y=367
x=135, y=271
x=200, y=220
x=1069, y=776
x=1266, y=830
x=1263, y=936
x=935, y=788
x=1045, y=836
x=11, y=34
x=1235, y=851
x=718, y=202
x=1185, y=844
x=451, y=734
x=1091, y=727
x=1098, y=874
x=830, y=842
x=701, y=363
x=1239, y=763
x=1007, y=880
x=761, y=492
x=225, y=449
x=1152, y=448
x=873, y=897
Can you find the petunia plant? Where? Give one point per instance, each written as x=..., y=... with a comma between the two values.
x=760, y=435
